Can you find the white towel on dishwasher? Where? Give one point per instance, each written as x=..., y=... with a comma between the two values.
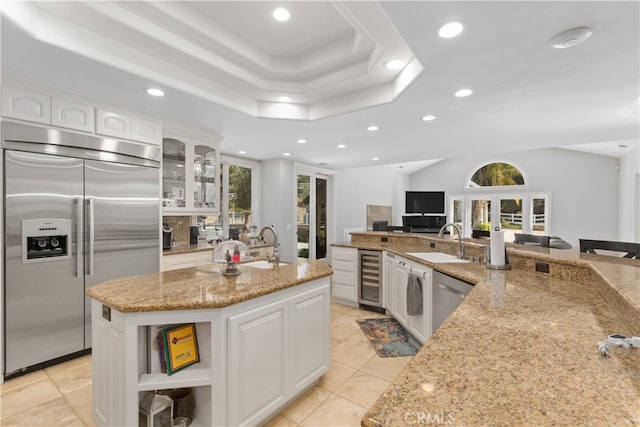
x=414, y=295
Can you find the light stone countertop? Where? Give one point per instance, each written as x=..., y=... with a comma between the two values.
x=203, y=286
x=522, y=349
x=202, y=246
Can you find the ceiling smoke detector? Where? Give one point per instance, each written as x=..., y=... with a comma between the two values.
x=571, y=38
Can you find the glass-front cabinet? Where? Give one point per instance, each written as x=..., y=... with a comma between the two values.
x=190, y=174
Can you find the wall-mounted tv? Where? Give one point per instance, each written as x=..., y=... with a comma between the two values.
x=425, y=202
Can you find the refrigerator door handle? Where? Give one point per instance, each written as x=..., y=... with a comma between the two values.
x=79, y=236
x=92, y=233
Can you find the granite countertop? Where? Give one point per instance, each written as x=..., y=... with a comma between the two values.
x=203, y=287
x=522, y=348
x=202, y=246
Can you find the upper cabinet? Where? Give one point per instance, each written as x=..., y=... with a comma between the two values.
x=60, y=111
x=25, y=105
x=190, y=174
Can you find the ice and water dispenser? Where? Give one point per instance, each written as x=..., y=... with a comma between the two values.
x=46, y=239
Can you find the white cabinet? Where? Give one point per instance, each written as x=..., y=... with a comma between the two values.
x=148, y=131
x=388, y=282
x=71, y=114
x=397, y=270
x=258, y=370
x=190, y=174
x=109, y=123
x=26, y=105
x=344, y=262
x=191, y=259
x=309, y=347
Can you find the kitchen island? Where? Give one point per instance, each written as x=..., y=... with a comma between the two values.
x=279, y=314
x=522, y=348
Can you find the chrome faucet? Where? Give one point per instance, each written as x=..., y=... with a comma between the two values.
x=276, y=248
x=460, y=245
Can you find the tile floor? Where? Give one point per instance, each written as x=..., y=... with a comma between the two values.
x=61, y=395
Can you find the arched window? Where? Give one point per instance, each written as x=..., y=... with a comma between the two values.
x=496, y=174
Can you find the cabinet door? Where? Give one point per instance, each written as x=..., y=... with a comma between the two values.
x=146, y=131
x=113, y=124
x=205, y=182
x=420, y=325
x=25, y=105
x=309, y=337
x=259, y=363
x=401, y=275
x=71, y=114
x=344, y=278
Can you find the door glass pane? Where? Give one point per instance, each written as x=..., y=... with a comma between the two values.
x=204, y=169
x=539, y=220
x=173, y=189
x=239, y=199
x=321, y=218
x=481, y=215
x=304, y=193
x=457, y=213
x=510, y=218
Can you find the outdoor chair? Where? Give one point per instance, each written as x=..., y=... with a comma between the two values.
x=532, y=239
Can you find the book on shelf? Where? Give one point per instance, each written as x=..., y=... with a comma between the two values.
x=172, y=348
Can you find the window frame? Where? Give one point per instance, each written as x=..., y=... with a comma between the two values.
x=256, y=190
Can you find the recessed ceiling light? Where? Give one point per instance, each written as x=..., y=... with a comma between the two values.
x=570, y=38
x=286, y=154
x=375, y=158
x=373, y=128
x=302, y=141
x=450, y=29
x=281, y=14
x=179, y=165
x=284, y=99
x=155, y=92
x=341, y=146
x=428, y=117
x=463, y=92
x=394, y=64
x=242, y=152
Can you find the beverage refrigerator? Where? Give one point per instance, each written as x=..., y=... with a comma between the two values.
x=78, y=210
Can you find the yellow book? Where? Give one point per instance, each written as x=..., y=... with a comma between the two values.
x=180, y=347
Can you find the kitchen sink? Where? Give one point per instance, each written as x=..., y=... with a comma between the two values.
x=437, y=257
x=261, y=264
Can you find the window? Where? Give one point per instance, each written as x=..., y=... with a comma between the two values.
x=496, y=174
x=497, y=196
x=239, y=187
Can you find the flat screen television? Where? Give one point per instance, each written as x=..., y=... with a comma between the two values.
x=425, y=202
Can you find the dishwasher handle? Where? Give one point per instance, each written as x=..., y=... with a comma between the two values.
x=452, y=290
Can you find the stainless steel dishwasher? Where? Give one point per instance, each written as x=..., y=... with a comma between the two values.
x=448, y=293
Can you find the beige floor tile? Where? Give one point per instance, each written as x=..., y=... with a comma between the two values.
x=56, y=412
x=72, y=375
x=347, y=321
x=80, y=401
x=26, y=397
x=363, y=389
x=305, y=404
x=337, y=375
x=351, y=354
x=340, y=331
x=386, y=368
x=18, y=382
x=335, y=411
x=280, y=421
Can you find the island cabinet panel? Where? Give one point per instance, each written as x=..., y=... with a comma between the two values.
x=309, y=329
x=400, y=277
x=258, y=369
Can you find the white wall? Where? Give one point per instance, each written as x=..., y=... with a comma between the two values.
x=583, y=187
x=358, y=187
x=629, y=196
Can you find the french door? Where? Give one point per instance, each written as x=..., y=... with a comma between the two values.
x=312, y=190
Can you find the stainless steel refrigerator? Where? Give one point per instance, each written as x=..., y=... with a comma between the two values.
x=79, y=210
